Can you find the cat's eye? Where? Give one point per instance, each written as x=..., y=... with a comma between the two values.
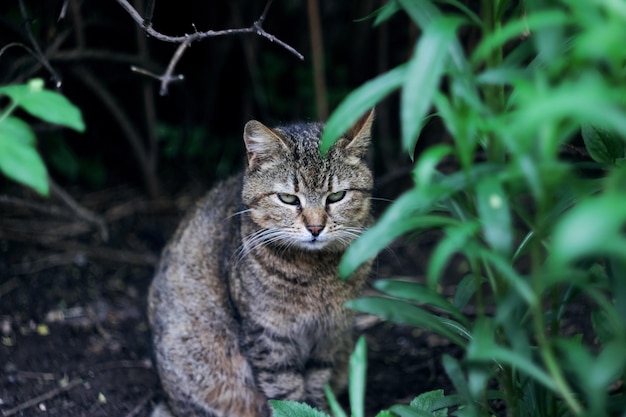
x=288, y=199
x=334, y=197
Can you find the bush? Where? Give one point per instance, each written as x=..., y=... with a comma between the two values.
x=541, y=233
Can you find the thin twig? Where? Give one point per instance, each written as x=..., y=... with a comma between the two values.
x=79, y=210
x=188, y=39
x=43, y=397
x=39, y=53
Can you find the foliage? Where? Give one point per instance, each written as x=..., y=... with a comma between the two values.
x=542, y=234
x=19, y=159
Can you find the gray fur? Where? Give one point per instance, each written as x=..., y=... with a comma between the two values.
x=246, y=304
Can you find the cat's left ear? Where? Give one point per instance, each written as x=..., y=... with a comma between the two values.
x=360, y=134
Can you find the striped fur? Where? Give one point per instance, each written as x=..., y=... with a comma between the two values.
x=246, y=305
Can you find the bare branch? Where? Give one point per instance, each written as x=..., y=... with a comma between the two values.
x=188, y=39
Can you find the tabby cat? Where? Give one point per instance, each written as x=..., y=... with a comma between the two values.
x=246, y=304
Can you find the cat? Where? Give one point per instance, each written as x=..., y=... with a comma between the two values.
x=246, y=304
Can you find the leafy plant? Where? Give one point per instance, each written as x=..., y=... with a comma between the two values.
x=543, y=235
x=19, y=159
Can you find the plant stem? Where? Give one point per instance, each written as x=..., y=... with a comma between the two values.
x=8, y=111
x=494, y=94
x=543, y=343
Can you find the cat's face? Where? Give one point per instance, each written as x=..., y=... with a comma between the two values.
x=299, y=199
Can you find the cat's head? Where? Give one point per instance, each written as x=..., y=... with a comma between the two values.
x=299, y=199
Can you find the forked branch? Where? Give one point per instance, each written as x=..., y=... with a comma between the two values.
x=186, y=40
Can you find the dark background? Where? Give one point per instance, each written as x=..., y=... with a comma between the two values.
x=228, y=80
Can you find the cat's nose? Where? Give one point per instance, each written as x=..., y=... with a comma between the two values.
x=315, y=229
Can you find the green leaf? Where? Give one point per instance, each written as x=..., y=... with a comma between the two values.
x=385, y=413
x=603, y=146
x=402, y=312
x=593, y=227
x=19, y=159
x=506, y=270
x=426, y=167
x=422, y=77
x=396, y=221
x=466, y=10
x=385, y=12
x=358, y=371
x=357, y=103
x=455, y=240
x=420, y=294
x=406, y=411
x=484, y=348
x=455, y=373
x=335, y=407
x=420, y=11
x=466, y=289
x=514, y=29
x=12, y=128
x=294, y=409
x=47, y=105
x=495, y=215
x=427, y=402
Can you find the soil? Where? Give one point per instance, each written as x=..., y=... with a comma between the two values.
x=74, y=339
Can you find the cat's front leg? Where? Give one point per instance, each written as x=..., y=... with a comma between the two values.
x=328, y=365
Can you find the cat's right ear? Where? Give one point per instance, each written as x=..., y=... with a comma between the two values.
x=262, y=143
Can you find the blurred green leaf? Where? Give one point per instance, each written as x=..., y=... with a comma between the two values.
x=593, y=227
x=454, y=241
x=422, y=12
x=19, y=159
x=515, y=29
x=466, y=11
x=47, y=105
x=385, y=12
x=406, y=411
x=506, y=271
x=495, y=215
x=402, y=312
x=455, y=372
x=335, y=407
x=426, y=167
x=421, y=295
x=466, y=289
x=422, y=77
x=358, y=373
x=484, y=348
x=399, y=218
x=294, y=409
x=357, y=103
x=12, y=128
x=602, y=145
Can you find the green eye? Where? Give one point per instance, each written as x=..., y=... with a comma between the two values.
x=334, y=197
x=288, y=199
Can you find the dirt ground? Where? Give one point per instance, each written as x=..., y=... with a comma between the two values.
x=74, y=339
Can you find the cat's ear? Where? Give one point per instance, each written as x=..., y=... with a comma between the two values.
x=360, y=135
x=262, y=143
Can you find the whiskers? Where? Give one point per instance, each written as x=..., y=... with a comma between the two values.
x=239, y=213
x=337, y=238
x=345, y=235
x=264, y=237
